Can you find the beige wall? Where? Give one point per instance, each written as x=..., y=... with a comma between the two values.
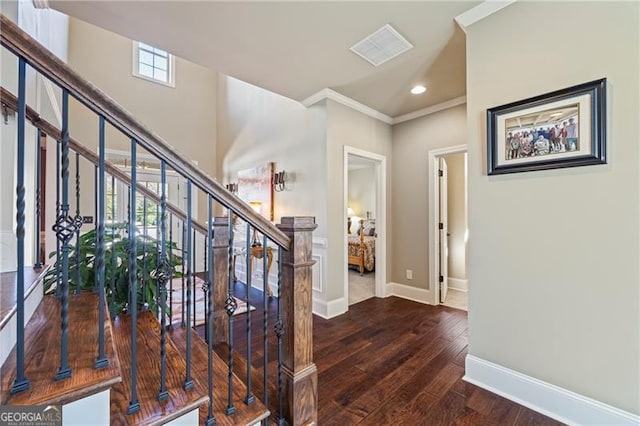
x=412, y=140
x=554, y=254
x=457, y=215
x=184, y=116
x=362, y=191
x=347, y=127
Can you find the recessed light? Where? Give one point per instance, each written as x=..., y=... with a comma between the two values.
x=418, y=89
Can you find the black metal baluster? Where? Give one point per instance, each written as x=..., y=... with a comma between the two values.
x=78, y=220
x=64, y=229
x=279, y=328
x=230, y=306
x=159, y=259
x=58, y=244
x=134, y=405
x=113, y=236
x=171, y=263
x=144, y=248
x=193, y=278
x=211, y=419
x=20, y=383
x=265, y=324
x=101, y=360
x=206, y=286
x=162, y=277
x=38, y=258
x=129, y=235
x=184, y=284
x=96, y=182
x=188, y=383
x=249, y=398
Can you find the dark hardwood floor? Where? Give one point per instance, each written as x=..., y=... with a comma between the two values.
x=389, y=362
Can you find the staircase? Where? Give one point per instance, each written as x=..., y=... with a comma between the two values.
x=106, y=342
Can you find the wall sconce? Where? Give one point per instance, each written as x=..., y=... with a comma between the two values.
x=232, y=188
x=280, y=180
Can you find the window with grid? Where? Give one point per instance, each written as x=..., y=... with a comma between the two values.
x=153, y=64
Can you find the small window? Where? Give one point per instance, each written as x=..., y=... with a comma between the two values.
x=153, y=64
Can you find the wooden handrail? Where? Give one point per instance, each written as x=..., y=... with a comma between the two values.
x=10, y=101
x=21, y=44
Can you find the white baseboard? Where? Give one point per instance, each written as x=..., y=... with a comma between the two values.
x=331, y=309
x=420, y=295
x=552, y=401
x=458, y=284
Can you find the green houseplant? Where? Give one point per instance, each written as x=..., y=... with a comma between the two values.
x=148, y=258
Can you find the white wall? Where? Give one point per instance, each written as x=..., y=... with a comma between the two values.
x=362, y=191
x=412, y=140
x=257, y=126
x=554, y=255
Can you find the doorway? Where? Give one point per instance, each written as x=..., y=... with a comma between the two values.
x=448, y=227
x=364, y=225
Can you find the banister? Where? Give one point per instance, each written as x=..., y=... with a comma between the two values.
x=11, y=102
x=21, y=44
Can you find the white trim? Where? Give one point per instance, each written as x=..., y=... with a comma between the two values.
x=346, y=101
x=433, y=197
x=430, y=110
x=316, y=285
x=415, y=294
x=48, y=87
x=458, y=284
x=551, y=400
x=171, y=69
x=481, y=11
x=331, y=309
x=381, y=219
x=41, y=4
x=320, y=242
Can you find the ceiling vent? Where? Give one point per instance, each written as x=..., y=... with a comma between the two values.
x=381, y=46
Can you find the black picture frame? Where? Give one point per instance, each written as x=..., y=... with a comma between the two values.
x=564, y=128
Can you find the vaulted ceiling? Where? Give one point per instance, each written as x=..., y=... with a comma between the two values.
x=299, y=48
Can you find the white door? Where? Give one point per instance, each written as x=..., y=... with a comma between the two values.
x=443, y=231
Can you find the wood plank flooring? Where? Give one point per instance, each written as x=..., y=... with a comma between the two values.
x=389, y=362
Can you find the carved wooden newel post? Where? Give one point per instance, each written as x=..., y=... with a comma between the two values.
x=300, y=375
x=220, y=279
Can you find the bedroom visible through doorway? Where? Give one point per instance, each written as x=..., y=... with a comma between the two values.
x=361, y=232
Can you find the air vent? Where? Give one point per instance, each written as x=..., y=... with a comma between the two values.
x=381, y=46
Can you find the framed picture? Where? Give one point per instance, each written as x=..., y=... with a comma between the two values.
x=565, y=128
x=255, y=186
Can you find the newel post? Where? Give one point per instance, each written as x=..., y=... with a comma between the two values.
x=300, y=376
x=220, y=278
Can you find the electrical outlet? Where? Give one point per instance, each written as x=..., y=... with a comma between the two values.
x=409, y=274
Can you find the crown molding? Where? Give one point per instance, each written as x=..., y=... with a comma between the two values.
x=360, y=107
x=430, y=110
x=481, y=11
x=346, y=101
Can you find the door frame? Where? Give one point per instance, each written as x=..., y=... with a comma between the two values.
x=434, y=207
x=381, y=219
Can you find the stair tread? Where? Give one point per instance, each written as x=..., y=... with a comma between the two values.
x=151, y=411
x=42, y=354
x=245, y=414
x=8, y=290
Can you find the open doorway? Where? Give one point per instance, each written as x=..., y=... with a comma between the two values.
x=448, y=227
x=364, y=224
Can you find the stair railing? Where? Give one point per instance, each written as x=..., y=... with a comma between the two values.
x=296, y=388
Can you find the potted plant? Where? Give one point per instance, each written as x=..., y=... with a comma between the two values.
x=82, y=264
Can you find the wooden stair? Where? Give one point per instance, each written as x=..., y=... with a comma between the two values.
x=42, y=354
x=152, y=411
x=245, y=414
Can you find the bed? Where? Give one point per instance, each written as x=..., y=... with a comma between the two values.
x=361, y=246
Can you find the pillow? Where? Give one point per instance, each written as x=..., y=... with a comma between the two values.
x=355, y=225
x=369, y=228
